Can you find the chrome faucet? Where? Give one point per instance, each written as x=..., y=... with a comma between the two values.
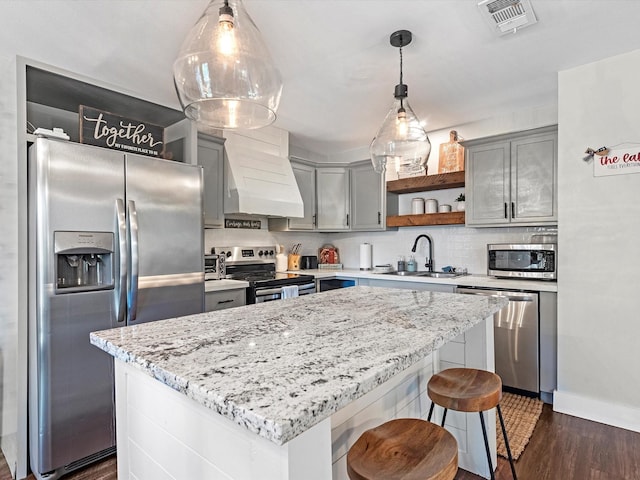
x=429, y=263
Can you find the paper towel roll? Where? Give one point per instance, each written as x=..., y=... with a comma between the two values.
x=281, y=262
x=366, y=253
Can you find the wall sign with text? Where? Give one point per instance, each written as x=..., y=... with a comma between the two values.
x=617, y=162
x=105, y=129
x=241, y=223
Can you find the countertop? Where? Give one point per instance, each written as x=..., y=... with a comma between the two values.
x=463, y=281
x=278, y=368
x=221, y=285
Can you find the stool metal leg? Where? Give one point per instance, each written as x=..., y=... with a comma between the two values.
x=506, y=443
x=486, y=446
x=444, y=415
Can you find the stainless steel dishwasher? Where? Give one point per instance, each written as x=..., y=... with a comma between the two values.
x=516, y=333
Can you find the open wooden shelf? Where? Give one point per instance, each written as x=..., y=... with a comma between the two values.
x=449, y=218
x=425, y=183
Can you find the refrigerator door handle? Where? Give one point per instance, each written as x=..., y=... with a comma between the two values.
x=121, y=287
x=134, y=270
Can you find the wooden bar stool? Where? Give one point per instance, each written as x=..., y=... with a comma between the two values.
x=405, y=448
x=470, y=390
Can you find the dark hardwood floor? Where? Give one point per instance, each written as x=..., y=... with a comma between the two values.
x=561, y=448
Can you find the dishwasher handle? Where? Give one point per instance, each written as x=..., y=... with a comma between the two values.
x=511, y=296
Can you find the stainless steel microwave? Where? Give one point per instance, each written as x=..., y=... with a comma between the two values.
x=525, y=260
x=214, y=267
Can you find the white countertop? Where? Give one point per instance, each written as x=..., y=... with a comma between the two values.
x=278, y=368
x=463, y=281
x=220, y=285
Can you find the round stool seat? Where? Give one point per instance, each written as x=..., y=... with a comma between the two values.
x=465, y=389
x=405, y=448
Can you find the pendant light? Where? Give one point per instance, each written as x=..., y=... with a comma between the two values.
x=401, y=139
x=224, y=75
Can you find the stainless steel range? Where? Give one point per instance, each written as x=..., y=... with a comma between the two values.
x=257, y=265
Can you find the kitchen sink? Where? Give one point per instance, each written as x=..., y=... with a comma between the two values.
x=440, y=274
x=427, y=274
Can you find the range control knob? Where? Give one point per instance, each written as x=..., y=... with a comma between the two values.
x=260, y=253
x=228, y=254
x=271, y=252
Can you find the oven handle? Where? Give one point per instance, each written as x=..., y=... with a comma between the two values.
x=305, y=289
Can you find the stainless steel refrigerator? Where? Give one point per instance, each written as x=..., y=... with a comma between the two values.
x=114, y=239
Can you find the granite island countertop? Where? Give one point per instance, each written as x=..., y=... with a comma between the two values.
x=279, y=368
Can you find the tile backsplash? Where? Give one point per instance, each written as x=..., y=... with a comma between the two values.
x=454, y=245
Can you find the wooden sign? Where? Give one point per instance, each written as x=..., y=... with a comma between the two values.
x=451, y=158
x=617, y=162
x=105, y=129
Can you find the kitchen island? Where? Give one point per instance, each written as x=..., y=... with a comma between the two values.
x=280, y=390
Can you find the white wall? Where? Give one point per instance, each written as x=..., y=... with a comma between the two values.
x=599, y=222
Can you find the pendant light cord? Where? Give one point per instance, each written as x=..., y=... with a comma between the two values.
x=401, y=98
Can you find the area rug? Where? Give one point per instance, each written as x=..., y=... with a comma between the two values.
x=520, y=417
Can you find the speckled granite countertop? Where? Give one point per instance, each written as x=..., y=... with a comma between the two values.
x=278, y=368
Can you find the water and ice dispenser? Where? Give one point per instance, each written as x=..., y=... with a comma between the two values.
x=84, y=261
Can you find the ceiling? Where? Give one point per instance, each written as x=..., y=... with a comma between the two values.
x=338, y=67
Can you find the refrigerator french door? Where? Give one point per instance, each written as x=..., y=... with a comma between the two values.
x=114, y=240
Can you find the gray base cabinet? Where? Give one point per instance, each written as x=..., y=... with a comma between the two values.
x=224, y=299
x=512, y=179
x=421, y=286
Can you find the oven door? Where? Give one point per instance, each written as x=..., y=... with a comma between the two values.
x=275, y=293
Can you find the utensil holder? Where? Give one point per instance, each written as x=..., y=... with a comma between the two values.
x=294, y=262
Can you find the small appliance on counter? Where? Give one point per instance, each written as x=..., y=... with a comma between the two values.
x=214, y=267
x=309, y=262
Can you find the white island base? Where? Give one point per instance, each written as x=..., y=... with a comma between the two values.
x=162, y=434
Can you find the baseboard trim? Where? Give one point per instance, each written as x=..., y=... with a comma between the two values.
x=616, y=415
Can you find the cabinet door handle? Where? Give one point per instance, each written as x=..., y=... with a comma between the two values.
x=220, y=302
x=513, y=209
x=347, y=219
x=379, y=218
x=314, y=219
x=505, y=210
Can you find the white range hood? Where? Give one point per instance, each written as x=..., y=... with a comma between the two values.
x=259, y=183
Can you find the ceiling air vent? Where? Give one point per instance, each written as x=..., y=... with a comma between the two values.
x=507, y=16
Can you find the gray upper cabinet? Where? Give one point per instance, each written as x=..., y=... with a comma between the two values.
x=512, y=179
x=337, y=198
x=367, y=198
x=306, y=179
x=332, y=193
x=211, y=158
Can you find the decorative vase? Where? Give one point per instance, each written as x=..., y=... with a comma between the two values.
x=460, y=206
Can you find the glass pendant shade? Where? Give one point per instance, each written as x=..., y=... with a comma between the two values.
x=401, y=139
x=224, y=75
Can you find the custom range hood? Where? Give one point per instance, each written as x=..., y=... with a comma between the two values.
x=259, y=183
